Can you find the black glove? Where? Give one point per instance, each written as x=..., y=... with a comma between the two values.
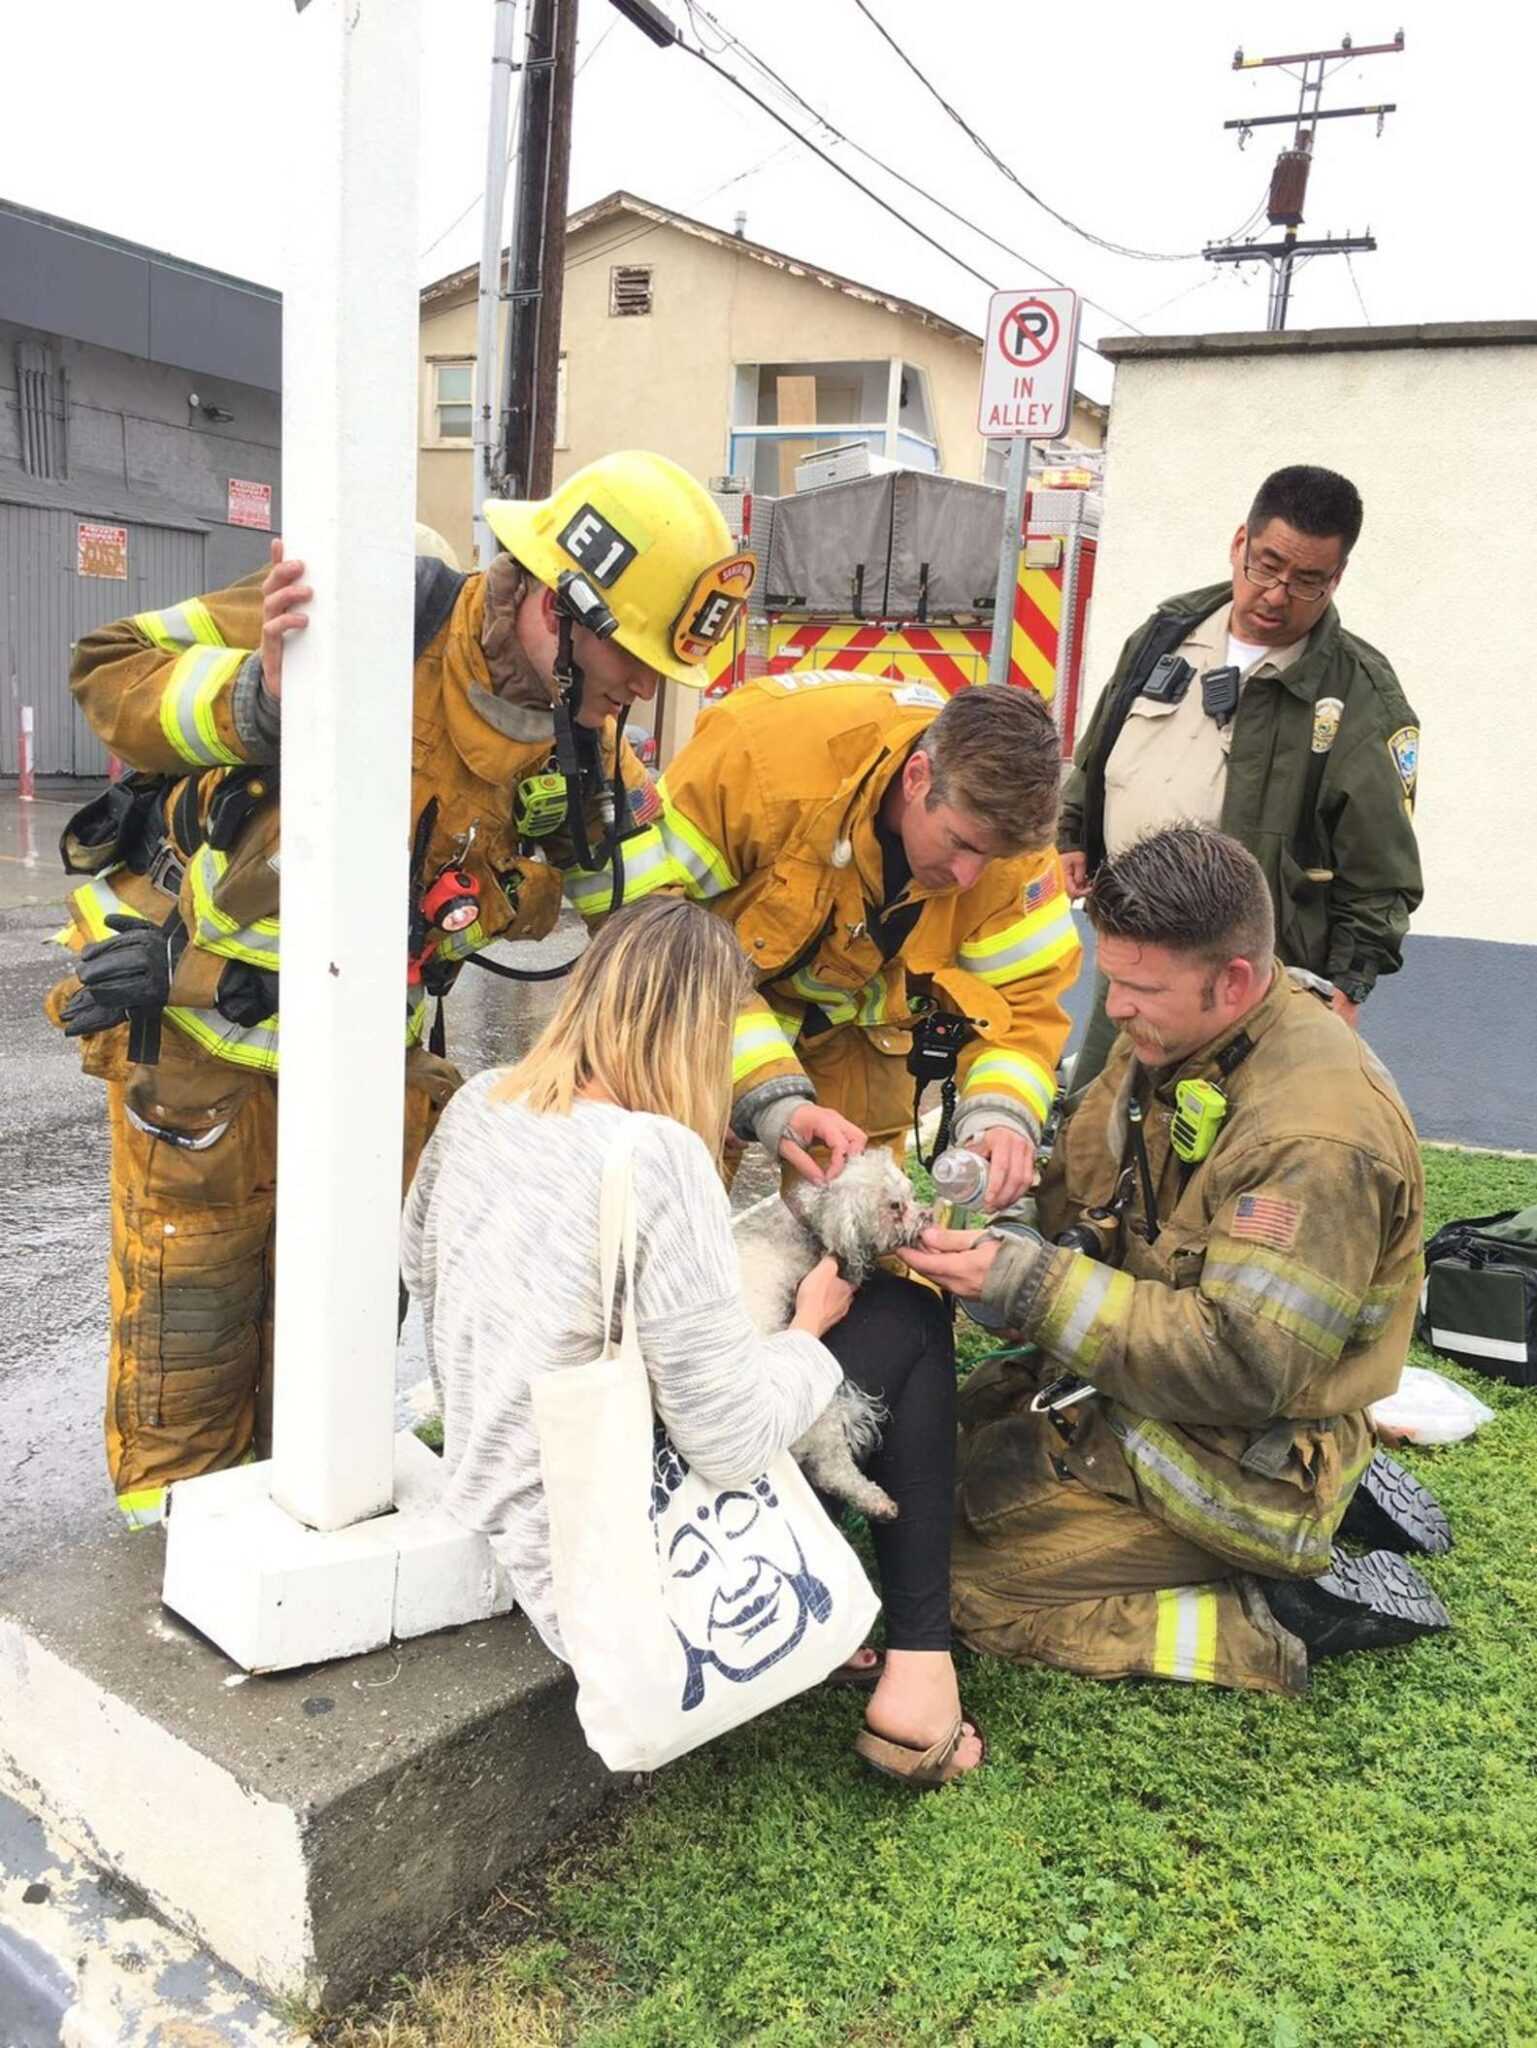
x=246, y=994
x=120, y=976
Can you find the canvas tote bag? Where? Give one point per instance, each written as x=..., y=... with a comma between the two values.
x=686, y=1607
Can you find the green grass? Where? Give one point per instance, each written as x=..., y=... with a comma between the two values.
x=1139, y=1866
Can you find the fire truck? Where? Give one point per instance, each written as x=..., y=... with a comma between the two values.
x=894, y=575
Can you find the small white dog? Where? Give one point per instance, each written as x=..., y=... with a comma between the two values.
x=867, y=1211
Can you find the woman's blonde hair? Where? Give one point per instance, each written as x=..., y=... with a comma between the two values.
x=647, y=1017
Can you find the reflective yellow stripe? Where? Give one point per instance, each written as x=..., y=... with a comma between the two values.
x=1029, y=946
x=1252, y=1280
x=866, y=1005
x=187, y=704
x=180, y=625
x=215, y=930
x=1191, y=1498
x=1092, y=1301
x=1185, y=1643
x=143, y=1508
x=648, y=866
x=758, y=1042
x=243, y=1045
x=96, y=901
x=704, y=865
x=1015, y=1071
x=791, y=1026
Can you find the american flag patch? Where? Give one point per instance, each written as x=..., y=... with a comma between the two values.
x=645, y=804
x=1040, y=890
x=1268, y=1220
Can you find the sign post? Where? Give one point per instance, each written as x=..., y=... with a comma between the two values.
x=1027, y=395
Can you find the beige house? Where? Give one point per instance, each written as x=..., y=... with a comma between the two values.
x=730, y=357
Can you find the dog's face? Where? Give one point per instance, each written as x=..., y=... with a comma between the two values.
x=869, y=1209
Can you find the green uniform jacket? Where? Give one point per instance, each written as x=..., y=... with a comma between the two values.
x=1236, y=1354
x=1320, y=788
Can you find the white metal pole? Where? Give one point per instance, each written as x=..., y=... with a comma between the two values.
x=488, y=383
x=349, y=421
x=1008, y=561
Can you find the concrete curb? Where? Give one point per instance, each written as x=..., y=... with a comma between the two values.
x=84, y=1964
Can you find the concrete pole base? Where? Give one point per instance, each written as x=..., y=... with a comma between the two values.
x=273, y=1594
x=312, y=1830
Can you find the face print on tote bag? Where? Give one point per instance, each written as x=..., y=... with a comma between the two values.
x=735, y=1581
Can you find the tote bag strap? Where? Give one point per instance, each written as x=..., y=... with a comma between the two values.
x=616, y=1233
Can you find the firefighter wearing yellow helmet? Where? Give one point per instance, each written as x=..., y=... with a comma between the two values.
x=523, y=674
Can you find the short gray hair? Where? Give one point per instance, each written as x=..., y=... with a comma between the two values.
x=1188, y=888
x=997, y=755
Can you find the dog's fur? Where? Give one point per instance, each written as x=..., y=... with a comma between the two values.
x=868, y=1210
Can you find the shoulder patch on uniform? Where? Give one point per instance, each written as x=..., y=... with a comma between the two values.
x=1267, y=1219
x=922, y=694
x=1042, y=889
x=645, y=803
x=1327, y=713
x=1404, y=746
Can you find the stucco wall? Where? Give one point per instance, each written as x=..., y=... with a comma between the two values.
x=1442, y=443
x=664, y=380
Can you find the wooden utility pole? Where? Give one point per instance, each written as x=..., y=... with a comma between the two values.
x=1289, y=181
x=536, y=259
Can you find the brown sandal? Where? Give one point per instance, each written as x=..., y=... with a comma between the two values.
x=922, y=1770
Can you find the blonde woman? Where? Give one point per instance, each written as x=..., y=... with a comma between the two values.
x=500, y=1246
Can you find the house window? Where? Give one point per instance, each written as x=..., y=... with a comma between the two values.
x=629, y=288
x=453, y=391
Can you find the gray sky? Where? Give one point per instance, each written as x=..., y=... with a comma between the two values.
x=162, y=122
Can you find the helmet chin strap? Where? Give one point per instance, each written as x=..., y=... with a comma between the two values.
x=579, y=758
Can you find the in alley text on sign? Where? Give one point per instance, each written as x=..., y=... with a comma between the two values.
x=1028, y=350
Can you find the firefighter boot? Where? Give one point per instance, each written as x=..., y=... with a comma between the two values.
x=1392, y=1510
x=1360, y=1603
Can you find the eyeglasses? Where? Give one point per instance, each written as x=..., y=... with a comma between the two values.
x=1306, y=585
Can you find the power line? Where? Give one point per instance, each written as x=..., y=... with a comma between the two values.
x=880, y=163
x=511, y=154
x=1356, y=282
x=1087, y=234
x=703, y=57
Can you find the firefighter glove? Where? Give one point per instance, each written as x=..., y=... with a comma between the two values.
x=246, y=994
x=119, y=976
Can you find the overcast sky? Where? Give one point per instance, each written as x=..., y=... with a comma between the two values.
x=162, y=122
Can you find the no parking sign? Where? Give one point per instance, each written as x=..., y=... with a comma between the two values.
x=1027, y=364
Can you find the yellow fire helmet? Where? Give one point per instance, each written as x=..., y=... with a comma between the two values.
x=651, y=542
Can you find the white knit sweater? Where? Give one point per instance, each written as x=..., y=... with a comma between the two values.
x=500, y=1246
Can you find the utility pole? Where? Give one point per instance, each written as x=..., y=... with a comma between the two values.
x=487, y=408
x=1289, y=181
x=536, y=256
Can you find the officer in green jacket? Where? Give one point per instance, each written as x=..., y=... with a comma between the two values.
x=1247, y=706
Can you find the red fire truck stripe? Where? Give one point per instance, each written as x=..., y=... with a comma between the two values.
x=1035, y=625
x=943, y=667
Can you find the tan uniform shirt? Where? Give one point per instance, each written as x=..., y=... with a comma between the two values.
x=1169, y=765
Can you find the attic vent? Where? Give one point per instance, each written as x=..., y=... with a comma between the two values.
x=629, y=288
x=42, y=412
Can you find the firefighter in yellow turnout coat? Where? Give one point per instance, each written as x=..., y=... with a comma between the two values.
x=1180, y=1521
x=178, y=1011
x=881, y=853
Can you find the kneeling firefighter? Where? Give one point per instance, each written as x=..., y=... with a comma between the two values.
x=523, y=676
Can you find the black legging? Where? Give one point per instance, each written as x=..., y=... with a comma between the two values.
x=895, y=1343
